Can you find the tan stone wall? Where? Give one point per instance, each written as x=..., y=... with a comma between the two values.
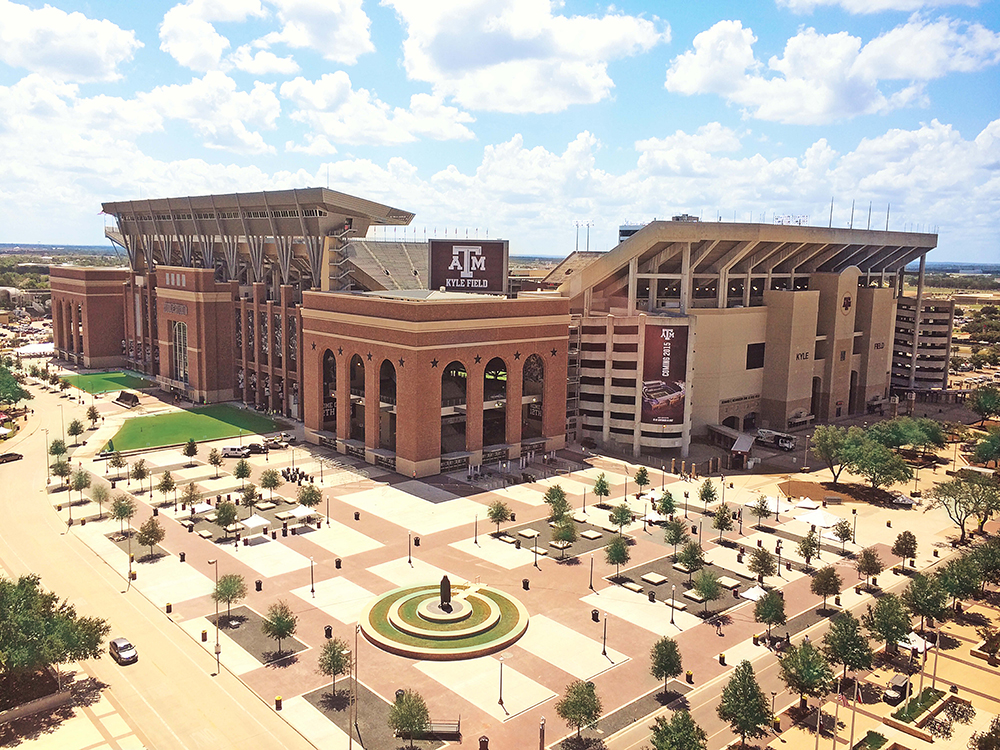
x=789, y=357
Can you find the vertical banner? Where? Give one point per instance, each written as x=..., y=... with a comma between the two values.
x=664, y=372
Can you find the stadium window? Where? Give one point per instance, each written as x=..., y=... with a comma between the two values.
x=755, y=356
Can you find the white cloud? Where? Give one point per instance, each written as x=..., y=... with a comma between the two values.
x=262, y=62
x=188, y=35
x=65, y=46
x=687, y=153
x=338, y=29
x=824, y=77
x=218, y=112
x=870, y=6
x=338, y=113
x=518, y=55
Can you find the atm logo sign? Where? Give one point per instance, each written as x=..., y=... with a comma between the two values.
x=467, y=259
x=846, y=304
x=468, y=266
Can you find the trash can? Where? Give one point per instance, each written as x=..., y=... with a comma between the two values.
x=284, y=531
x=182, y=556
x=399, y=694
x=652, y=596
x=170, y=608
x=204, y=636
x=524, y=583
x=517, y=544
x=274, y=534
x=595, y=615
x=513, y=517
x=277, y=703
x=258, y=584
x=328, y=632
x=336, y=563
x=484, y=743
x=114, y=483
x=416, y=541
x=357, y=515
x=191, y=529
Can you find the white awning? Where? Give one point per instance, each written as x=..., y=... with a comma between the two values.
x=201, y=508
x=300, y=512
x=914, y=641
x=807, y=503
x=773, y=504
x=255, y=522
x=753, y=594
x=819, y=518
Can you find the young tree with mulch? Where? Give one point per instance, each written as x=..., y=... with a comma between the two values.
x=743, y=705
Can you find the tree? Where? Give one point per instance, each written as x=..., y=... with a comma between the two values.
x=226, y=515
x=100, y=495
x=832, y=445
x=215, y=460
x=230, y=589
x=925, y=597
x=955, y=497
x=37, y=630
x=271, y=480
x=879, y=465
x=723, y=520
x=57, y=448
x=190, y=495
x=761, y=509
x=93, y=415
x=707, y=493
x=123, y=508
x=743, y=705
x=869, y=563
x=150, y=534
x=117, y=462
x=249, y=496
x=165, y=486
x=988, y=448
x=498, y=513
x=665, y=506
x=335, y=659
x=61, y=469
x=805, y=670
x=641, y=479
x=808, y=546
x=74, y=429
x=960, y=578
x=905, y=545
x=984, y=402
x=845, y=643
x=565, y=531
x=581, y=706
x=620, y=516
x=309, y=495
x=190, y=449
x=692, y=557
x=408, y=715
x=842, y=530
x=679, y=733
x=242, y=470
x=708, y=587
x=762, y=564
x=770, y=610
x=601, y=488
x=982, y=495
x=616, y=553
x=139, y=471
x=10, y=389
x=675, y=532
x=888, y=621
x=989, y=740
x=665, y=660
x=280, y=622
x=555, y=498
x=80, y=482
x=826, y=583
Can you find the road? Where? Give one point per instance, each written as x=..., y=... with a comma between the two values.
x=172, y=695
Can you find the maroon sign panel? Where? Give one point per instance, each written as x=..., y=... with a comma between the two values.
x=468, y=266
x=664, y=372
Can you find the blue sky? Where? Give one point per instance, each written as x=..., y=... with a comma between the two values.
x=522, y=118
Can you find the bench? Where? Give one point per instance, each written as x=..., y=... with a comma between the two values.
x=266, y=506
x=580, y=518
x=729, y=583
x=633, y=586
x=441, y=729
x=187, y=524
x=654, y=579
x=560, y=545
x=694, y=596
x=506, y=538
x=284, y=516
x=682, y=568
x=205, y=534
x=528, y=533
x=591, y=534
x=679, y=606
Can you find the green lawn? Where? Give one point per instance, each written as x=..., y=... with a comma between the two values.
x=104, y=382
x=204, y=423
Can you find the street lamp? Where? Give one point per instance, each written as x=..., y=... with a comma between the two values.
x=604, y=642
x=854, y=534
x=673, y=593
x=501, y=686
x=774, y=695
x=312, y=578
x=409, y=548
x=48, y=476
x=663, y=477
x=218, y=648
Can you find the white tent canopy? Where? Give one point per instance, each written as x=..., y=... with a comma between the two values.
x=255, y=522
x=774, y=504
x=914, y=641
x=807, y=503
x=301, y=512
x=201, y=508
x=820, y=518
x=754, y=594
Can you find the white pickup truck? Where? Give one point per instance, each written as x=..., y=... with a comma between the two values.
x=780, y=440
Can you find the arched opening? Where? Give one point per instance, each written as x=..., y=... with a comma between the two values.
x=815, y=400
x=329, y=391
x=454, y=381
x=357, y=399
x=854, y=399
x=733, y=423
x=532, y=390
x=495, y=402
x=387, y=406
x=179, y=351
x=750, y=422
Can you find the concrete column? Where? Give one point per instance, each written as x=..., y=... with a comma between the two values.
x=56, y=322
x=637, y=409
x=515, y=387
x=474, y=408
x=343, y=394
x=916, y=320
x=75, y=327
x=609, y=337
x=371, y=403
x=685, y=278
x=633, y=269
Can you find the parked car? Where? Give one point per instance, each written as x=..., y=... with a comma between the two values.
x=287, y=437
x=256, y=448
x=122, y=651
x=8, y=457
x=896, y=689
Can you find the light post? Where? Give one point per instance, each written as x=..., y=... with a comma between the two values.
x=409, y=548
x=937, y=650
x=354, y=703
x=854, y=712
x=673, y=593
x=218, y=648
x=701, y=524
x=686, y=494
x=604, y=642
x=62, y=421
x=774, y=695
x=777, y=548
x=327, y=502
x=854, y=534
x=475, y=533
x=591, y=571
x=48, y=476
x=541, y=734
x=663, y=477
x=312, y=578
x=241, y=438
x=836, y=714
x=501, y=686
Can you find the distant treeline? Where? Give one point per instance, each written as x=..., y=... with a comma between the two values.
x=947, y=281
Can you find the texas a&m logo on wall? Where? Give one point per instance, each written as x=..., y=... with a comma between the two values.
x=846, y=304
x=468, y=266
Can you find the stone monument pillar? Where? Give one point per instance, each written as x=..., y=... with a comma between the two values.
x=445, y=594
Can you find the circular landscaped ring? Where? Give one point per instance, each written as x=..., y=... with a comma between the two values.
x=409, y=622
